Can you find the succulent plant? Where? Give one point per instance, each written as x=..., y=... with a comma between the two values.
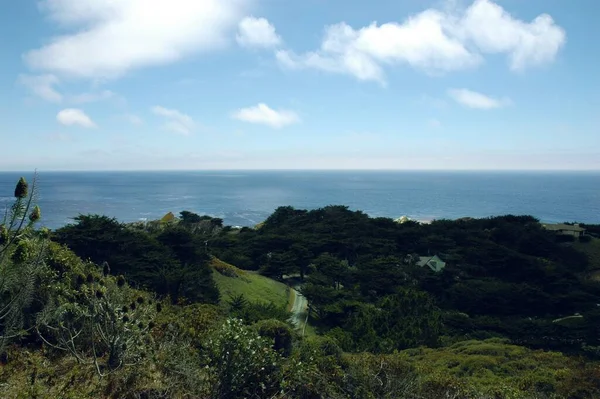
x=22, y=252
x=3, y=234
x=35, y=215
x=21, y=189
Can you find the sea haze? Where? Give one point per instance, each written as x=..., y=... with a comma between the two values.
x=245, y=198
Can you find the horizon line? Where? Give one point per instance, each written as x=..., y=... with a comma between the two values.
x=293, y=170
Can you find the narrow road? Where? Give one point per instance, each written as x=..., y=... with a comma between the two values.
x=299, y=309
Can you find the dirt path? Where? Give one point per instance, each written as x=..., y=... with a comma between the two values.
x=299, y=309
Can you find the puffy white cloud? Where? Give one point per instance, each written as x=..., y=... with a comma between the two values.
x=42, y=86
x=436, y=41
x=493, y=30
x=257, y=32
x=177, y=122
x=263, y=114
x=106, y=39
x=75, y=117
x=472, y=99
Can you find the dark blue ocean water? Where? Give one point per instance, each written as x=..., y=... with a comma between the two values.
x=247, y=198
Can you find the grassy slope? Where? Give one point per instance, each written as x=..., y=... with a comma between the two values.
x=254, y=287
x=592, y=250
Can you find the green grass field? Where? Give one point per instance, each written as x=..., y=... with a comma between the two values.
x=253, y=286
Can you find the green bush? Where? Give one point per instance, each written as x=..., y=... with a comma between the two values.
x=280, y=333
x=241, y=364
x=101, y=321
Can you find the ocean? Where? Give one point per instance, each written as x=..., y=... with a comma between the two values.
x=245, y=198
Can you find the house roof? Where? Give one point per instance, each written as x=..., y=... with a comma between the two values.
x=434, y=262
x=564, y=227
x=169, y=217
x=423, y=260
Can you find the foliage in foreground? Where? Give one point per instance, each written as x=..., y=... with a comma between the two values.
x=73, y=329
x=22, y=251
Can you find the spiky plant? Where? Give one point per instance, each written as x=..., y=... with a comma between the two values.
x=21, y=261
x=98, y=325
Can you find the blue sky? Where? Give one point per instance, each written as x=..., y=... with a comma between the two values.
x=312, y=84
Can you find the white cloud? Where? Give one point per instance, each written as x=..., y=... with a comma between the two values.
x=91, y=97
x=472, y=99
x=106, y=39
x=257, y=32
x=493, y=30
x=42, y=86
x=435, y=41
x=75, y=117
x=262, y=114
x=177, y=122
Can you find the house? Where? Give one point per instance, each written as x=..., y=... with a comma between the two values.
x=169, y=217
x=574, y=230
x=433, y=262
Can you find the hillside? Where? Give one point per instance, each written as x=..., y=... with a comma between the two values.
x=232, y=282
x=156, y=313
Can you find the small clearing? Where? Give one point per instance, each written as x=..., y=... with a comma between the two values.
x=232, y=281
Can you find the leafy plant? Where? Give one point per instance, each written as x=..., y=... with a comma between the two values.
x=21, y=262
x=103, y=322
x=242, y=364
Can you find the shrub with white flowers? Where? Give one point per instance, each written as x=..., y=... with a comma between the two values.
x=241, y=364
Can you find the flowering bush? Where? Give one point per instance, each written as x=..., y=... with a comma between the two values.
x=241, y=364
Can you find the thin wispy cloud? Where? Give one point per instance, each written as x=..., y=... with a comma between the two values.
x=176, y=121
x=43, y=86
x=473, y=99
x=59, y=137
x=91, y=97
x=134, y=120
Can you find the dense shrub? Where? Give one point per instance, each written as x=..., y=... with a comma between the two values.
x=241, y=364
x=280, y=333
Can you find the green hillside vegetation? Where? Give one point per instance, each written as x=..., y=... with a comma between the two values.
x=103, y=309
x=233, y=282
x=592, y=249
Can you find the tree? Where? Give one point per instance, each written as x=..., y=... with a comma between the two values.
x=192, y=279
x=189, y=217
x=329, y=270
x=172, y=263
x=404, y=320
